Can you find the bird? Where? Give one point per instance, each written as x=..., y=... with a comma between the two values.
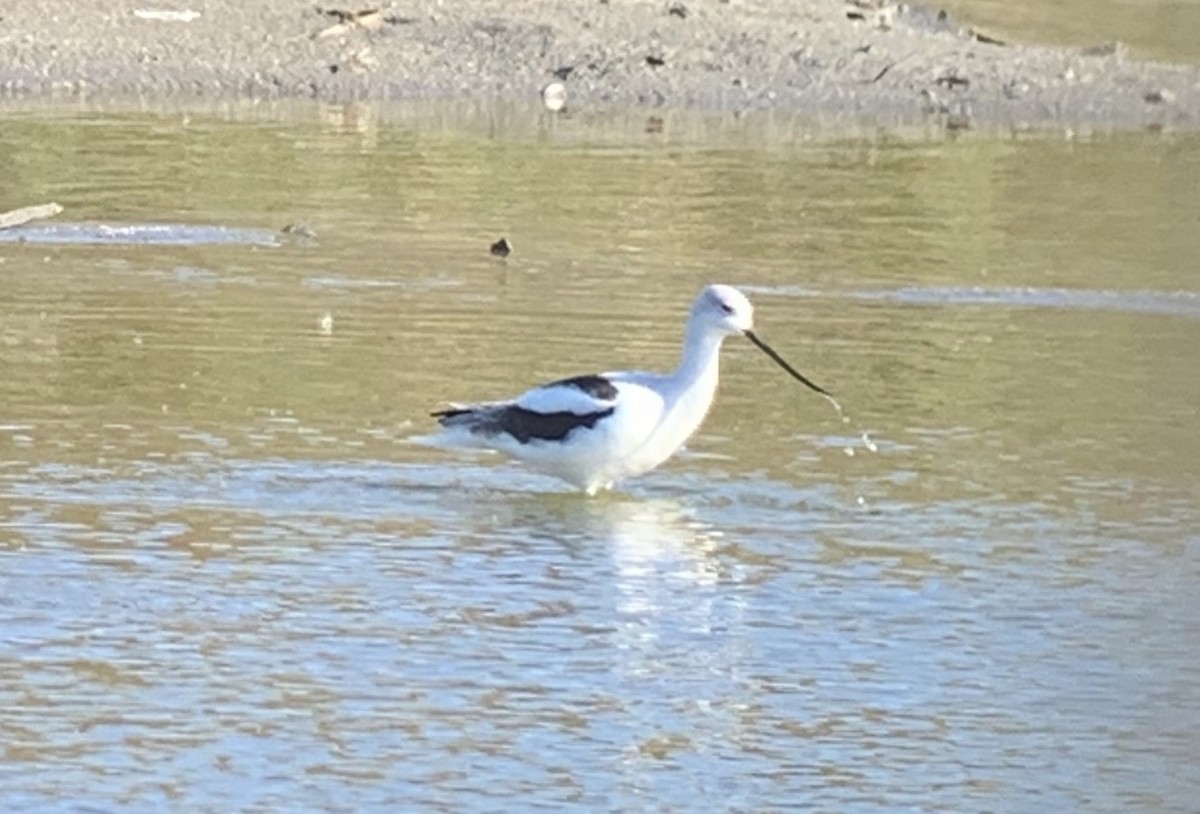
x=596, y=430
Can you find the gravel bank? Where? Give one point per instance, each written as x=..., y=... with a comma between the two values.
x=829, y=59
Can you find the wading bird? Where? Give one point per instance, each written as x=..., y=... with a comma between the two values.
x=596, y=430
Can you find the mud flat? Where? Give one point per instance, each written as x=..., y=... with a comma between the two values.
x=827, y=59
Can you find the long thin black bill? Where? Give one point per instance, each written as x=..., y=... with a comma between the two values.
x=779, y=360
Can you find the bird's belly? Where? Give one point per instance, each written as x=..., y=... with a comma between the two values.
x=589, y=457
x=611, y=450
x=640, y=434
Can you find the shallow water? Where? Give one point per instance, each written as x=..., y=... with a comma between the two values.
x=1152, y=29
x=228, y=581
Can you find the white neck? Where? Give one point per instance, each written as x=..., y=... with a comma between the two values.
x=701, y=358
x=688, y=394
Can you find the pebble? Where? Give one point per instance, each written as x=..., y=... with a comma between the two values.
x=1162, y=96
x=554, y=96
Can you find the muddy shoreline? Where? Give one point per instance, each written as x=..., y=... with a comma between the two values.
x=823, y=58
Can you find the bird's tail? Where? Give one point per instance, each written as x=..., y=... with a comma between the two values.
x=467, y=415
x=466, y=425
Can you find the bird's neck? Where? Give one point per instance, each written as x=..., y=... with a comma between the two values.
x=701, y=358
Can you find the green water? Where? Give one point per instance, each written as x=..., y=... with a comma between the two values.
x=230, y=582
x=1158, y=29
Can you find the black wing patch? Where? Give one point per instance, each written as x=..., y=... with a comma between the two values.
x=527, y=425
x=523, y=425
x=595, y=386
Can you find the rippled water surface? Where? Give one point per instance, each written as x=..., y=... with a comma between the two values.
x=230, y=582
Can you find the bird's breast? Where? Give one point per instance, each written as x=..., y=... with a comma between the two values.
x=683, y=413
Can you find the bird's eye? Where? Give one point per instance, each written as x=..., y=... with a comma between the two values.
x=726, y=308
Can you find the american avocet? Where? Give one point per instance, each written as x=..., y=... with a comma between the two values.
x=595, y=430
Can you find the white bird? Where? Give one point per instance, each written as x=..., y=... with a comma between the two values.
x=596, y=430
